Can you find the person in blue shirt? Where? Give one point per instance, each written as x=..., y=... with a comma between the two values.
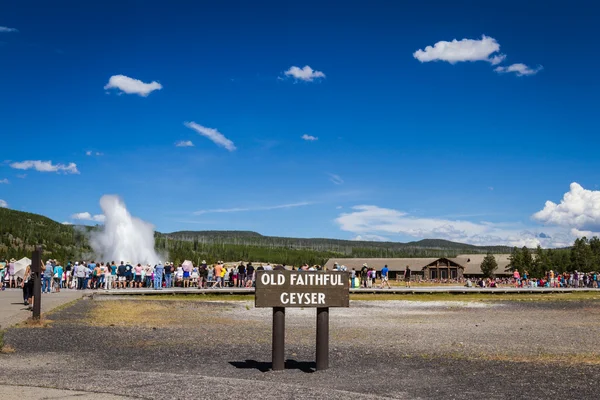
x=384, y=277
x=58, y=274
x=158, y=275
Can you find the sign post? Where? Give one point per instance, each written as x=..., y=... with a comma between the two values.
x=316, y=289
x=278, y=344
x=322, y=338
x=36, y=275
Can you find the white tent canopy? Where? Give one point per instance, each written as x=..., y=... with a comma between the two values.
x=20, y=266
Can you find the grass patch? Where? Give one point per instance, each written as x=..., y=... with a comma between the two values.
x=187, y=297
x=484, y=297
x=155, y=314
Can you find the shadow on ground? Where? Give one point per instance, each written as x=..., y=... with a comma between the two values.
x=304, y=366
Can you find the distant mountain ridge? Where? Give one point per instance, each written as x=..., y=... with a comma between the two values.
x=255, y=237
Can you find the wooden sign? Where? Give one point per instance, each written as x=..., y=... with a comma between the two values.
x=302, y=289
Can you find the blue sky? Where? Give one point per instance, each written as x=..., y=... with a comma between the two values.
x=464, y=140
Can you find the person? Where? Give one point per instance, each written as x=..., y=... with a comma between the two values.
x=148, y=275
x=186, y=275
x=249, y=274
x=159, y=269
x=363, y=275
x=137, y=281
x=353, y=278
x=128, y=274
x=385, y=277
x=12, y=279
x=79, y=273
x=517, y=277
x=241, y=275
x=47, y=281
x=179, y=276
x=217, y=273
x=68, y=274
x=194, y=277
x=168, y=274
x=121, y=271
x=28, y=284
x=58, y=273
x=407, y=273
x=203, y=272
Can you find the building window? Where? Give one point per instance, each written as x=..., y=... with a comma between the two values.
x=434, y=274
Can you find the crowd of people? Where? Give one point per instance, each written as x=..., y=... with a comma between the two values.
x=551, y=279
x=81, y=275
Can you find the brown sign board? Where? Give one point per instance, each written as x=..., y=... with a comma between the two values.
x=302, y=289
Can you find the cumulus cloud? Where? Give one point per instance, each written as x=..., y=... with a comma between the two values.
x=132, y=86
x=306, y=74
x=309, y=138
x=462, y=50
x=46, y=166
x=257, y=208
x=217, y=137
x=336, y=179
x=3, y=204
x=519, y=69
x=86, y=216
x=579, y=208
x=6, y=29
x=67, y=223
x=91, y=153
x=184, y=143
x=5, y=181
x=367, y=220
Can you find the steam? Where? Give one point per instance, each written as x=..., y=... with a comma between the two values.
x=123, y=237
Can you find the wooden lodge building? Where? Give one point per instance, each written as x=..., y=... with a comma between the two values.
x=462, y=266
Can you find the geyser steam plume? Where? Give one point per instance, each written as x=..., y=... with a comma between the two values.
x=123, y=237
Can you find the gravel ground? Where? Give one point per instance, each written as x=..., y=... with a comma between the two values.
x=389, y=349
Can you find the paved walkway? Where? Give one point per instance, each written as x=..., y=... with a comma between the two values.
x=12, y=310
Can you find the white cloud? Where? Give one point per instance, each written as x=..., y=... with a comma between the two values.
x=3, y=204
x=309, y=138
x=336, y=179
x=5, y=29
x=88, y=153
x=579, y=208
x=184, y=143
x=91, y=153
x=519, y=69
x=86, y=216
x=45, y=166
x=5, y=181
x=212, y=134
x=259, y=208
x=365, y=220
x=132, y=86
x=462, y=50
x=306, y=74
x=67, y=223
x=22, y=176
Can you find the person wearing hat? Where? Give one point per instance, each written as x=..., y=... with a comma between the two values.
x=168, y=274
x=47, y=280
